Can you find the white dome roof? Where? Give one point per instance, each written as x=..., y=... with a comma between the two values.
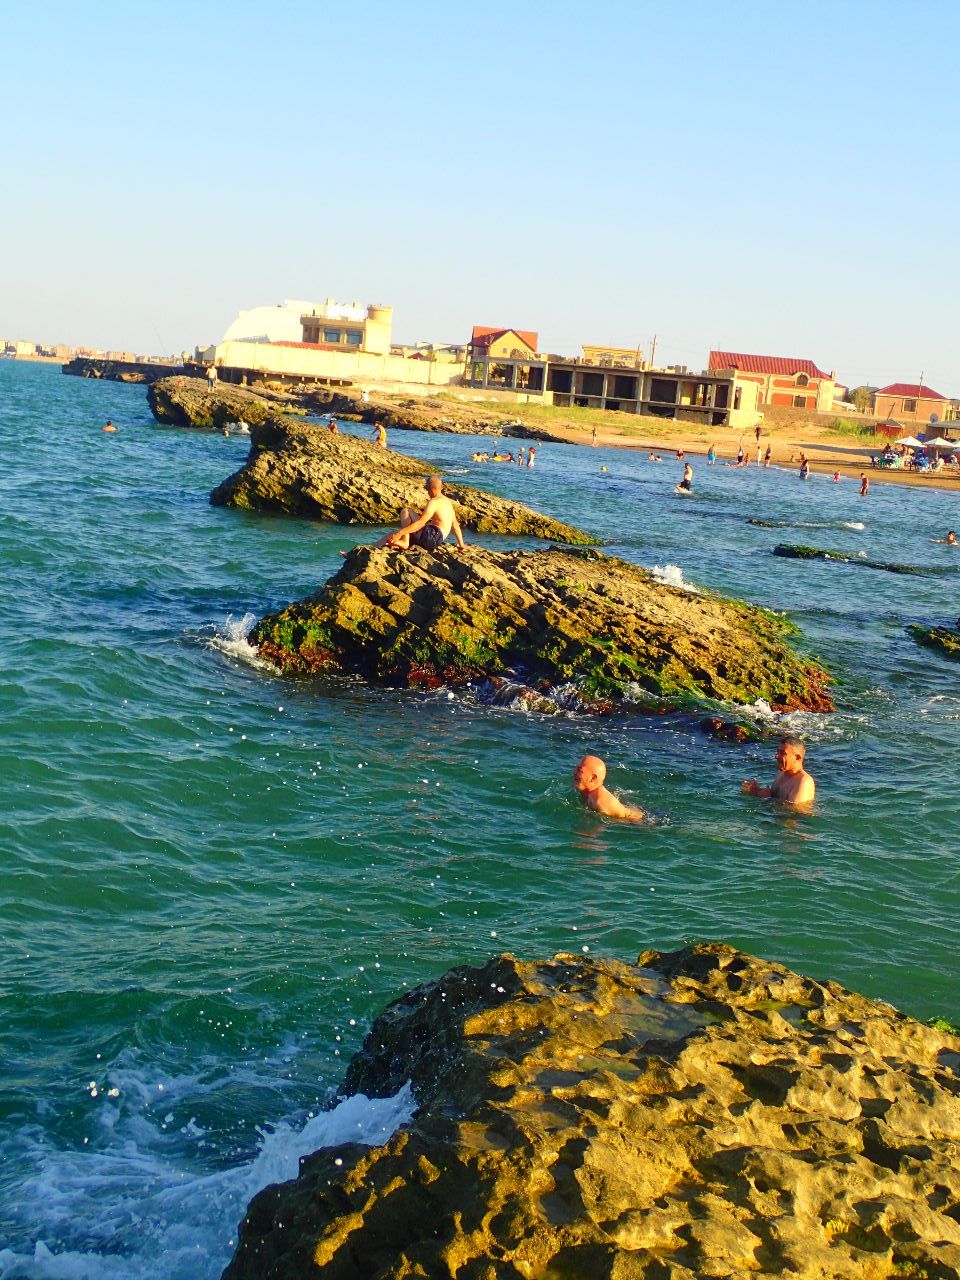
x=270, y=324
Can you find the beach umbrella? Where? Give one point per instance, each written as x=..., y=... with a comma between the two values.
x=911, y=442
x=938, y=442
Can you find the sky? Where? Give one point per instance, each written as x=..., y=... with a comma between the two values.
x=771, y=177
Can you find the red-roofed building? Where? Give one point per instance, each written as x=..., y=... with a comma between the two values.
x=503, y=344
x=782, y=380
x=911, y=402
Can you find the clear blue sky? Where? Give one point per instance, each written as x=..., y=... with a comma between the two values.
x=775, y=177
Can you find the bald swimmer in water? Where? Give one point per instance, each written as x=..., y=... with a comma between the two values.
x=431, y=527
x=792, y=785
x=588, y=779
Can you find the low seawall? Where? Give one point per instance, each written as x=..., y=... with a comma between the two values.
x=126, y=370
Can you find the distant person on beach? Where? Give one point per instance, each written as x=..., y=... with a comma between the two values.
x=593, y=437
x=380, y=435
x=431, y=527
x=686, y=484
x=588, y=779
x=531, y=456
x=759, y=454
x=756, y=432
x=792, y=785
x=864, y=484
x=212, y=376
x=768, y=454
x=711, y=455
x=950, y=539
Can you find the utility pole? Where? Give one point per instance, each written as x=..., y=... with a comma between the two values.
x=653, y=350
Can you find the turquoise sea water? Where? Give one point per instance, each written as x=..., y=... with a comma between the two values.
x=212, y=879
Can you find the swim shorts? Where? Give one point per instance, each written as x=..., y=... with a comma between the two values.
x=429, y=537
x=684, y=484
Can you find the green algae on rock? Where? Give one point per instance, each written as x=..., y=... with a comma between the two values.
x=799, y=552
x=553, y=616
x=700, y=1113
x=945, y=640
x=303, y=469
x=190, y=402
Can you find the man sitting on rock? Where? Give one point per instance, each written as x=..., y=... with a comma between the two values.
x=588, y=778
x=792, y=785
x=431, y=527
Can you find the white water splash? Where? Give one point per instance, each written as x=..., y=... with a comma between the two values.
x=671, y=575
x=852, y=524
x=232, y=640
x=135, y=1215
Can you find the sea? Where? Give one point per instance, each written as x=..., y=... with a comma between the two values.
x=212, y=879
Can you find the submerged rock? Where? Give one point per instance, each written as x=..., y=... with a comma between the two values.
x=945, y=640
x=800, y=552
x=303, y=469
x=702, y=1113
x=609, y=627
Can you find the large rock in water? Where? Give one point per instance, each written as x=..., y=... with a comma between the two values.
x=301, y=468
x=189, y=402
x=421, y=618
x=701, y=1114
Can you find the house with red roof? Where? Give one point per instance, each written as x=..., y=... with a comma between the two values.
x=911, y=402
x=782, y=380
x=503, y=344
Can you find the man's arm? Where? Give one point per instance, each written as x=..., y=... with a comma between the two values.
x=753, y=788
x=416, y=525
x=455, y=527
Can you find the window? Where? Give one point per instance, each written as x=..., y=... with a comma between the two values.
x=909, y=406
x=802, y=380
x=799, y=402
x=331, y=335
x=354, y=337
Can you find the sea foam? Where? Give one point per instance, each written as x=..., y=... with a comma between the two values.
x=671, y=575
x=127, y=1212
x=232, y=639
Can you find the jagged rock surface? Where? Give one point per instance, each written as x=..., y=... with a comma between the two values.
x=416, y=617
x=703, y=1113
x=945, y=640
x=189, y=402
x=301, y=468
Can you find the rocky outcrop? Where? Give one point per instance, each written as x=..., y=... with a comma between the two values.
x=799, y=552
x=416, y=617
x=189, y=402
x=702, y=1113
x=300, y=468
x=945, y=640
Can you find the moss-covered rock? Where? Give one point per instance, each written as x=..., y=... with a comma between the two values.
x=798, y=551
x=556, y=616
x=701, y=1113
x=303, y=469
x=189, y=402
x=945, y=640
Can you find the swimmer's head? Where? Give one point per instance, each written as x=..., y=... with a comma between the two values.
x=790, y=754
x=589, y=774
x=434, y=486
x=951, y=536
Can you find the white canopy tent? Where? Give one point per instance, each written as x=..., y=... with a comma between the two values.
x=911, y=442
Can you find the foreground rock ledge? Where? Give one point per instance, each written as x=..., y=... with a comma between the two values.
x=300, y=468
x=703, y=1113
x=553, y=616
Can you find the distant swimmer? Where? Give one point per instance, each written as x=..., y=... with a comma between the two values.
x=804, y=469
x=836, y=477
x=429, y=529
x=531, y=456
x=588, y=779
x=711, y=455
x=864, y=484
x=686, y=484
x=603, y=468
x=333, y=428
x=950, y=539
x=792, y=785
x=109, y=426
x=654, y=457
x=520, y=456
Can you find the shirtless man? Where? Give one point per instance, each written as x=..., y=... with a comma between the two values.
x=429, y=528
x=792, y=785
x=588, y=779
x=686, y=484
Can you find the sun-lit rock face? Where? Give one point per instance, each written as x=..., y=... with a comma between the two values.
x=700, y=1113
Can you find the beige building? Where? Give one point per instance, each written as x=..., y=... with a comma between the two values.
x=338, y=344
x=912, y=402
x=788, y=381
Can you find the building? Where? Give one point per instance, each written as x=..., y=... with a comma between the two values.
x=782, y=380
x=614, y=357
x=912, y=402
x=336, y=344
x=509, y=344
x=713, y=399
